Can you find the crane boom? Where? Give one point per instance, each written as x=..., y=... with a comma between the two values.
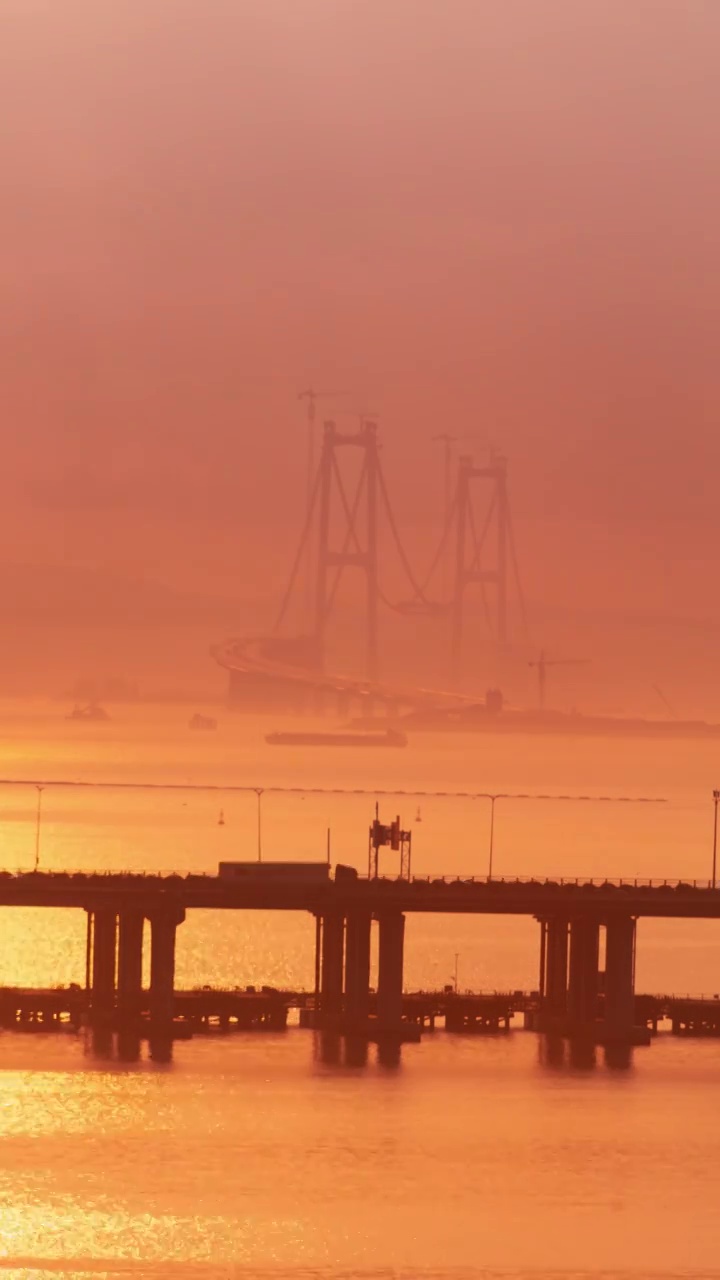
x=542, y=663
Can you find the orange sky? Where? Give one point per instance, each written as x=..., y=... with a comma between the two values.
x=486, y=217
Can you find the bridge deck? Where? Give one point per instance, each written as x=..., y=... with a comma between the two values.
x=448, y=895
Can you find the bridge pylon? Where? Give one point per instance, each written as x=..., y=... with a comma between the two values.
x=357, y=545
x=471, y=566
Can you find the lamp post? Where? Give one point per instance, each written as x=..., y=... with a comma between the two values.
x=492, y=800
x=455, y=974
x=259, y=794
x=715, y=799
x=38, y=821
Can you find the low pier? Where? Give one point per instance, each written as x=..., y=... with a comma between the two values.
x=207, y=1010
x=43, y=1008
x=688, y=1015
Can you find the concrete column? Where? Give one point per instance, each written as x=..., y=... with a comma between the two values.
x=357, y=966
x=620, y=978
x=583, y=984
x=318, y=957
x=390, y=971
x=88, y=952
x=104, y=944
x=162, y=966
x=556, y=965
x=331, y=977
x=130, y=954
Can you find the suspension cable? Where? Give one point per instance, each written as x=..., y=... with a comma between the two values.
x=351, y=515
x=443, y=541
x=300, y=552
x=476, y=561
x=516, y=575
x=419, y=593
x=66, y=783
x=480, y=543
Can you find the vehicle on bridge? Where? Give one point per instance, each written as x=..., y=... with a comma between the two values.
x=288, y=872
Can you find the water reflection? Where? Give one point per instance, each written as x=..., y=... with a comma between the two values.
x=128, y=1046
x=618, y=1057
x=99, y=1043
x=356, y=1051
x=555, y=1053
x=582, y=1054
x=330, y=1049
x=161, y=1049
x=389, y=1054
x=551, y=1052
x=327, y=1048
x=105, y=1045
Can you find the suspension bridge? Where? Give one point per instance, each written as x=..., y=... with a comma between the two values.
x=350, y=524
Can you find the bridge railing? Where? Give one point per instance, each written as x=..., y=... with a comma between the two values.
x=679, y=998
x=86, y=873
x=420, y=883
x=564, y=882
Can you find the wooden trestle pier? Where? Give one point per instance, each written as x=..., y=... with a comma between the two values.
x=574, y=997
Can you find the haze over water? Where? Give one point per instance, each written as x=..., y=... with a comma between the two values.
x=496, y=220
x=249, y=1155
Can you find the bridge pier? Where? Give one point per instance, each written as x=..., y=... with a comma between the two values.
x=331, y=967
x=390, y=971
x=102, y=922
x=357, y=967
x=553, y=971
x=130, y=957
x=318, y=953
x=582, y=1001
x=620, y=978
x=163, y=929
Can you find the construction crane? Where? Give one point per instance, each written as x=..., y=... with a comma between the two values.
x=542, y=663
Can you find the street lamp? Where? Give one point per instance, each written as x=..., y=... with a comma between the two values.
x=492, y=835
x=38, y=821
x=259, y=793
x=455, y=975
x=715, y=799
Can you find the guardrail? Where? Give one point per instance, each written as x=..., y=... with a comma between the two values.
x=562, y=882
x=683, y=999
x=423, y=881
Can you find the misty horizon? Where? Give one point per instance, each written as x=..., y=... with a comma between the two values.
x=505, y=227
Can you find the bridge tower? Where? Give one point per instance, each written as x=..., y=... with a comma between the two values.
x=358, y=546
x=470, y=565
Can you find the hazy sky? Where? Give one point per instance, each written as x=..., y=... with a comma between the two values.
x=491, y=216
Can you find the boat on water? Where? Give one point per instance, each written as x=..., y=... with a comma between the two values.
x=90, y=713
x=364, y=738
